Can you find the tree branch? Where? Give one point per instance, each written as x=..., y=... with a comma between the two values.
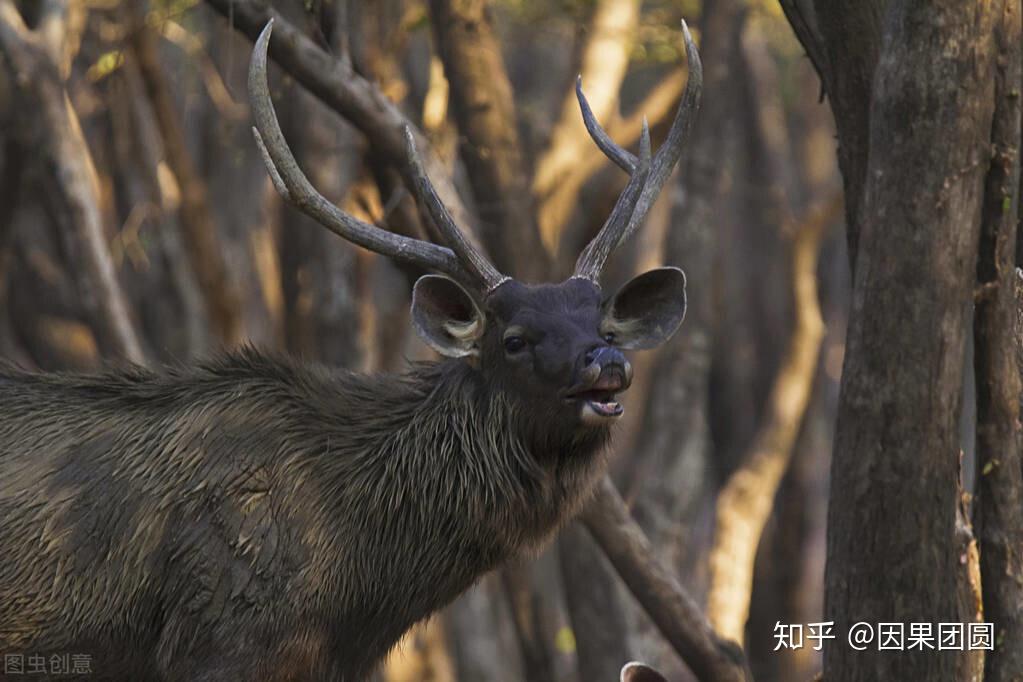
x=803, y=19
x=335, y=84
x=673, y=611
x=745, y=502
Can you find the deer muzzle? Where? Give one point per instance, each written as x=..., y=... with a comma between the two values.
x=606, y=374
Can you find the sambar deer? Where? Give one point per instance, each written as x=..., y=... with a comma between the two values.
x=258, y=518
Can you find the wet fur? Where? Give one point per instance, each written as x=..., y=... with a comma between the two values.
x=254, y=518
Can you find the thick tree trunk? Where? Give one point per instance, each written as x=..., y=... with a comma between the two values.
x=892, y=518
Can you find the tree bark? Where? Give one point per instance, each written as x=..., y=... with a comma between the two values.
x=894, y=492
x=999, y=506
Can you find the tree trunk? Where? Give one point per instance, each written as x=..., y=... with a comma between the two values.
x=894, y=493
x=484, y=107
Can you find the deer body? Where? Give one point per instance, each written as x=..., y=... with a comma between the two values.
x=283, y=521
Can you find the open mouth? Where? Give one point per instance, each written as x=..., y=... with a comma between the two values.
x=600, y=401
x=602, y=405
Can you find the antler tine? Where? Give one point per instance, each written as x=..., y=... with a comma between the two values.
x=469, y=255
x=668, y=155
x=660, y=168
x=622, y=157
x=591, y=261
x=294, y=186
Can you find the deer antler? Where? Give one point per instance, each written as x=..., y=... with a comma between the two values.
x=648, y=177
x=463, y=248
x=462, y=261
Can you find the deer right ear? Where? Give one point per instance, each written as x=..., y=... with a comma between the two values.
x=446, y=317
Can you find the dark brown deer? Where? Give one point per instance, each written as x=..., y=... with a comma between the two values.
x=257, y=518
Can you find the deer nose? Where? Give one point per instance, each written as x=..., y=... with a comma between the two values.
x=601, y=358
x=604, y=355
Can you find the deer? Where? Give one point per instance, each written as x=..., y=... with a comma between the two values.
x=257, y=517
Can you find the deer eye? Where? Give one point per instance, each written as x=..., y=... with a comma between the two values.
x=514, y=344
x=609, y=338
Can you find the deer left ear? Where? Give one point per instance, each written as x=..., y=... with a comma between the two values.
x=446, y=317
x=647, y=310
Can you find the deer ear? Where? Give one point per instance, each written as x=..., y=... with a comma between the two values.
x=640, y=672
x=647, y=310
x=446, y=317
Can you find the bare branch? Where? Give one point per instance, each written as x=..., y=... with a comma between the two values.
x=51, y=30
x=216, y=89
x=803, y=19
x=674, y=612
x=599, y=625
x=843, y=40
x=334, y=83
x=745, y=502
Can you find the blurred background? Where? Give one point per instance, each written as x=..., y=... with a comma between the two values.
x=143, y=225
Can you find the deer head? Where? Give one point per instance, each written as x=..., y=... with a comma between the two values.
x=557, y=347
